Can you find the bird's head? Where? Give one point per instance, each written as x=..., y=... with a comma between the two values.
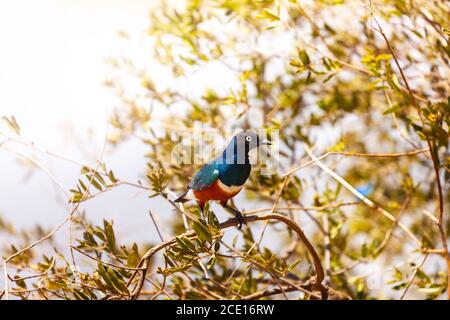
x=240, y=146
x=249, y=140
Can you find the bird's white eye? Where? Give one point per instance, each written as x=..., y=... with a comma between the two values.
x=248, y=138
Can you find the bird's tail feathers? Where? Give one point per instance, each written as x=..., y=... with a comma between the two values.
x=185, y=197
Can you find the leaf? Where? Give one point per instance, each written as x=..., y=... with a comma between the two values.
x=181, y=244
x=268, y=14
x=100, y=179
x=82, y=185
x=12, y=124
x=383, y=56
x=393, y=108
x=245, y=76
x=104, y=275
x=133, y=257
x=110, y=237
x=212, y=219
x=293, y=265
x=429, y=290
x=85, y=170
x=422, y=275
x=171, y=271
x=304, y=57
x=202, y=231
x=446, y=31
x=329, y=77
x=78, y=197
x=95, y=184
x=80, y=295
x=211, y=263
x=189, y=244
x=117, y=283
x=399, y=286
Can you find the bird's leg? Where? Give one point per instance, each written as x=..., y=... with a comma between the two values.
x=202, y=208
x=236, y=212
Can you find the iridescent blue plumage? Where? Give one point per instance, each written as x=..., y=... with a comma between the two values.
x=205, y=177
x=224, y=177
x=232, y=167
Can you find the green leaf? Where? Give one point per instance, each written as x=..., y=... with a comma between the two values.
x=100, y=179
x=80, y=295
x=383, y=56
x=304, y=57
x=133, y=257
x=104, y=275
x=211, y=262
x=110, y=237
x=329, y=77
x=171, y=271
x=117, y=283
x=95, y=184
x=78, y=197
x=430, y=290
x=293, y=265
x=12, y=124
x=393, y=108
x=212, y=219
x=202, y=231
x=268, y=14
x=182, y=245
x=82, y=185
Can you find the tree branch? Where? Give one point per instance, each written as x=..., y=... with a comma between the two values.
x=364, y=199
x=319, y=272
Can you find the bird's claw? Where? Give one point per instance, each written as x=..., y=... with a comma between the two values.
x=240, y=219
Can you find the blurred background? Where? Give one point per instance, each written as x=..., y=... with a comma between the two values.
x=53, y=63
x=75, y=71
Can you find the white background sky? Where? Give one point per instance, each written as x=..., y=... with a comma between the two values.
x=52, y=65
x=52, y=58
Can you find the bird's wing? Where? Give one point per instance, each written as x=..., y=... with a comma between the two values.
x=205, y=177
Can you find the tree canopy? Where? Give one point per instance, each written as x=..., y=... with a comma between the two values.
x=356, y=97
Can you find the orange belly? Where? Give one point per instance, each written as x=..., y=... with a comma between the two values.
x=215, y=192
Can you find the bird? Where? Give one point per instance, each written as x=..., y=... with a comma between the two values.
x=224, y=177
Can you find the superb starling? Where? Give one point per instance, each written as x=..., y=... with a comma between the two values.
x=224, y=177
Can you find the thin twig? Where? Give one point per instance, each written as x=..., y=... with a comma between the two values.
x=86, y=192
x=227, y=224
x=363, y=198
x=33, y=146
x=36, y=275
x=357, y=154
x=410, y=282
x=105, y=263
x=156, y=226
x=32, y=245
x=432, y=148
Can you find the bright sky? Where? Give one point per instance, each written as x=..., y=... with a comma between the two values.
x=52, y=65
x=52, y=59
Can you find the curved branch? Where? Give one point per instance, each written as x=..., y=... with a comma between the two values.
x=319, y=271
